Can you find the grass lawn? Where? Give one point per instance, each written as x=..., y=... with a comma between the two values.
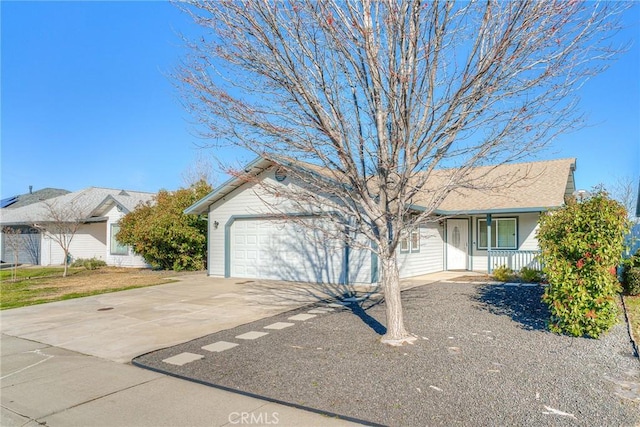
x=37, y=285
x=633, y=311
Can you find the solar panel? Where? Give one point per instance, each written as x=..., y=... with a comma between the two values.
x=8, y=201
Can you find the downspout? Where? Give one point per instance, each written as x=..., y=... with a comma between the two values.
x=209, y=240
x=489, y=243
x=345, y=258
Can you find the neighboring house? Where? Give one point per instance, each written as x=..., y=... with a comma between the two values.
x=100, y=209
x=472, y=229
x=31, y=197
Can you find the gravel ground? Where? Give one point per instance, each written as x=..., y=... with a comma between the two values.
x=483, y=358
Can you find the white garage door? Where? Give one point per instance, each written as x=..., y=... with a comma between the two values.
x=278, y=250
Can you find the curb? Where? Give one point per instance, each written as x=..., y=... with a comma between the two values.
x=258, y=396
x=634, y=341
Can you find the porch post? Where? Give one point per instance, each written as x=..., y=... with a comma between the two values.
x=489, y=243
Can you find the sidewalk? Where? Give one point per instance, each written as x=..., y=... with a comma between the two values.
x=44, y=385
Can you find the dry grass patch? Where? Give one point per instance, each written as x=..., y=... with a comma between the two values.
x=37, y=285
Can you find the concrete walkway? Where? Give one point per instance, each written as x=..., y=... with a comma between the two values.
x=67, y=363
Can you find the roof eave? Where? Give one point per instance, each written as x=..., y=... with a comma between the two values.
x=108, y=201
x=95, y=219
x=202, y=206
x=533, y=209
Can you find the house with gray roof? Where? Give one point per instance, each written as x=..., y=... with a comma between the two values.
x=97, y=209
x=476, y=227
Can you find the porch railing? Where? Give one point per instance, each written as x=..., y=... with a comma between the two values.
x=515, y=260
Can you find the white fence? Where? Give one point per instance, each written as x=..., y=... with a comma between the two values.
x=515, y=260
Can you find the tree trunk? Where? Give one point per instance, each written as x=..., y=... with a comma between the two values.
x=390, y=280
x=16, y=257
x=66, y=264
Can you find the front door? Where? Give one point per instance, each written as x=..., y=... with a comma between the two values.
x=457, y=244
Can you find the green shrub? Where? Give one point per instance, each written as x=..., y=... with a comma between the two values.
x=631, y=275
x=631, y=282
x=531, y=275
x=582, y=244
x=77, y=263
x=89, y=264
x=503, y=273
x=164, y=235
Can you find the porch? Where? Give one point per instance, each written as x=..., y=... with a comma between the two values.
x=484, y=242
x=514, y=259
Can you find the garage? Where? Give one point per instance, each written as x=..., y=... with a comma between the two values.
x=284, y=250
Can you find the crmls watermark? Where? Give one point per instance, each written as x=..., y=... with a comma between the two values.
x=247, y=418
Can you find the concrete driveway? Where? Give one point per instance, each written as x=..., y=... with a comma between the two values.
x=122, y=325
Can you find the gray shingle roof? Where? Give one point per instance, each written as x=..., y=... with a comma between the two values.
x=86, y=201
x=36, y=196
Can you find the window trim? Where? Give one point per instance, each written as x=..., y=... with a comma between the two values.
x=407, y=245
x=494, y=221
x=112, y=238
x=415, y=248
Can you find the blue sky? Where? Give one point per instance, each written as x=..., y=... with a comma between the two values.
x=86, y=101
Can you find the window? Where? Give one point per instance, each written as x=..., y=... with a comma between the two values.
x=503, y=233
x=404, y=244
x=117, y=248
x=410, y=241
x=415, y=241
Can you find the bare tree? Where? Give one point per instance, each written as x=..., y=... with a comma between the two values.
x=13, y=240
x=625, y=190
x=200, y=170
x=370, y=102
x=61, y=224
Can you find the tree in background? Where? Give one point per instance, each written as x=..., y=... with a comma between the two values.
x=382, y=95
x=14, y=241
x=582, y=246
x=163, y=235
x=201, y=169
x=61, y=224
x=625, y=191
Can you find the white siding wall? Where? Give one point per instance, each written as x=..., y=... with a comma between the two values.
x=52, y=253
x=360, y=261
x=129, y=260
x=527, y=227
x=88, y=242
x=430, y=258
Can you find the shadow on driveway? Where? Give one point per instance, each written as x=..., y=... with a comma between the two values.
x=522, y=304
